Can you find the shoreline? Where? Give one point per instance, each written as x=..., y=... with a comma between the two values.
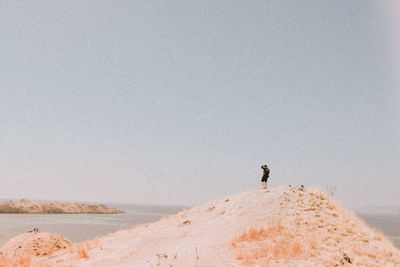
x=24, y=206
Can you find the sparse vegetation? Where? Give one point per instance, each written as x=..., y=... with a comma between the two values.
x=51, y=210
x=9, y=209
x=20, y=261
x=276, y=242
x=310, y=229
x=162, y=259
x=37, y=207
x=82, y=252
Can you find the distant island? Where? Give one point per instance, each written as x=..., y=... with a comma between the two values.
x=57, y=207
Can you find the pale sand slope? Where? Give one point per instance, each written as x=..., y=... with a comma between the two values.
x=26, y=206
x=289, y=226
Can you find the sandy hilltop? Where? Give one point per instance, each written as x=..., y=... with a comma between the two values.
x=26, y=206
x=283, y=226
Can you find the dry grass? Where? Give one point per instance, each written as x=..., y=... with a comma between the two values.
x=260, y=233
x=20, y=261
x=81, y=250
x=276, y=242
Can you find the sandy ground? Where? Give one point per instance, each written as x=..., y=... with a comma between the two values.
x=34, y=244
x=26, y=206
x=22, y=249
x=285, y=226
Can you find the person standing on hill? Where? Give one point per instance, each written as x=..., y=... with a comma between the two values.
x=265, y=176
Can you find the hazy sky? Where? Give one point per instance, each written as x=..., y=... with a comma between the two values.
x=177, y=102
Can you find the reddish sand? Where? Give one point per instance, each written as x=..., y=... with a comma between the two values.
x=20, y=250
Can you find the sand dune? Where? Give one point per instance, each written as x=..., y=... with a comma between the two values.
x=35, y=244
x=20, y=250
x=26, y=206
x=285, y=226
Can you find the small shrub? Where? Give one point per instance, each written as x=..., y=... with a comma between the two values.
x=82, y=250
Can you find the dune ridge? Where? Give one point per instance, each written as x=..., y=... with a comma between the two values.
x=282, y=226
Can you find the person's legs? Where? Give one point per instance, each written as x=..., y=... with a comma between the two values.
x=264, y=185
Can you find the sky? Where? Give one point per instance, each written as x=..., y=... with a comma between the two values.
x=178, y=102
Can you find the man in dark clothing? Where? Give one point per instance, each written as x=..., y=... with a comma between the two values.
x=265, y=176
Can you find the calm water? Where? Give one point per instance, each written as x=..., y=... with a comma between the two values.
x=79, y=227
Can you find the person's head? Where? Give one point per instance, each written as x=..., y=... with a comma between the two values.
x=264, y=167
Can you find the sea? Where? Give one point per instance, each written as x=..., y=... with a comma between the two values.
x=80, y=227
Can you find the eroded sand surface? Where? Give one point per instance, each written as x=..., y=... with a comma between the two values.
x=20, y=250
x=284, y=226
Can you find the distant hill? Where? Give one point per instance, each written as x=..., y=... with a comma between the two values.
x=26, y=206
